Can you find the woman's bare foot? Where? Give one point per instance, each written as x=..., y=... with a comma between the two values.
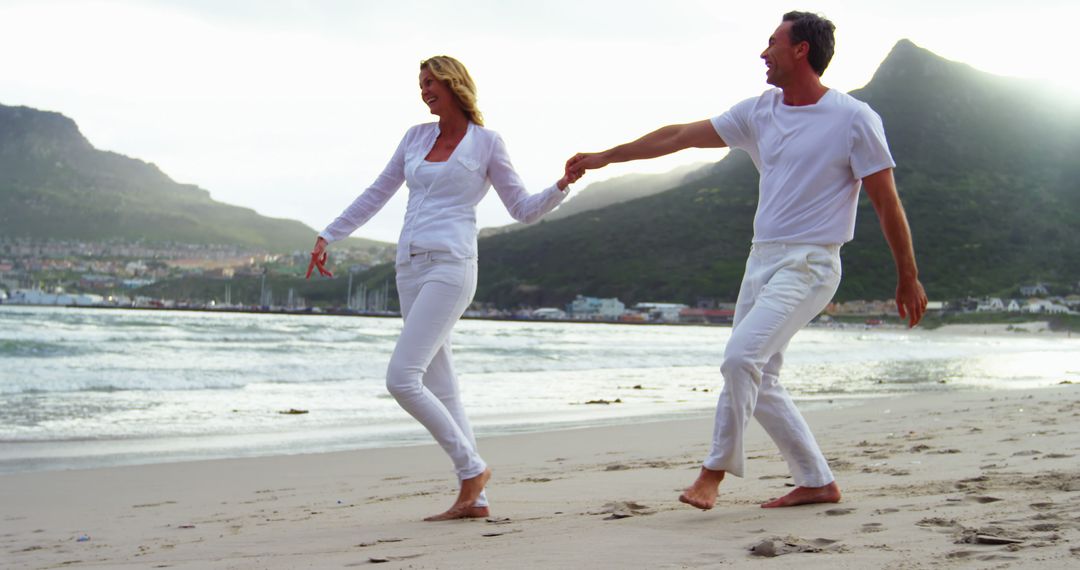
x=702, y=494
x=460, y=513
x=463, y=506
x=806, y=496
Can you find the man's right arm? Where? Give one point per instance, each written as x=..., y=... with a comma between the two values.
x=660, y=142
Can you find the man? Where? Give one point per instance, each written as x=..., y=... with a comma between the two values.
x=814, y=148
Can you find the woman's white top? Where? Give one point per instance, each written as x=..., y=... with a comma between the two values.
x=441, y=214
x=426, y=172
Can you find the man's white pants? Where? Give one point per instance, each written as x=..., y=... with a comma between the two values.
x=435, y=289
x=785, y=286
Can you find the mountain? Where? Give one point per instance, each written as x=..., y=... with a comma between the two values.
x=55, y=184
x=987, y=171
x=615, y=190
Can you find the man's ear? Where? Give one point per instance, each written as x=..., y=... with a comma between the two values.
x=802, y=50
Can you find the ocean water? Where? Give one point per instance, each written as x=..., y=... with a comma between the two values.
x=90, y=387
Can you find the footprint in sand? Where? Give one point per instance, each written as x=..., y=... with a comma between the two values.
x=617, y=467
x=937, y=522
x=621, y=510
x=964, y=554
x=147, y=505
x=378, y=541
x=991, y=535
x=383, y=559
x=840, y=464
x=500, y=533
x=777, y=546
x=839, y=512
x=872, y=527
x=984, y=499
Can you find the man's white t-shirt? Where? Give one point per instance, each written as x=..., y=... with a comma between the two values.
x=812, y=160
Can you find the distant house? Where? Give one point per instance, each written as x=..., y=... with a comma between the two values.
x=990, y=305
x=1013, y=306
x=1036, y=290
x=592, y=308
x=1044, y=307
x=136, y=283
x=136, y=267
x=39, y=297
x=548, y=313
x=663, y=312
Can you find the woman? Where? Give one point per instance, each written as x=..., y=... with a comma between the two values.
x=448, y=167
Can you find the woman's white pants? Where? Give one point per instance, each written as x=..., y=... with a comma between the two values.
x=435, y=289
x=785, y=286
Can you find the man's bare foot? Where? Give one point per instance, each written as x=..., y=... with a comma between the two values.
x=456, y=513
x=463, y=506
x=806, y=496
x=702, y=494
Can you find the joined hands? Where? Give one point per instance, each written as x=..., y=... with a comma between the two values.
x=582, y=161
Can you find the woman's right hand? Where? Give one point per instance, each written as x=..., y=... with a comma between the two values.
x=318, y=259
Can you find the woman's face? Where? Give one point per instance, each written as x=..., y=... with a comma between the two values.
x=436, y=94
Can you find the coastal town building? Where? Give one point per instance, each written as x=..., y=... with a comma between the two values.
x=991, y=305
x=1036, y=290
x=548, y=313
x=660, y=312
x=1047, y=307
x=38, y=297
x=589, y=308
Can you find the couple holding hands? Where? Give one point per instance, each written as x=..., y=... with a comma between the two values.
x=814, y=148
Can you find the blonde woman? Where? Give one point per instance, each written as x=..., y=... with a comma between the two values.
x=448, y=167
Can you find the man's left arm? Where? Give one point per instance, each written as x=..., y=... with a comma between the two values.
x=910, y=296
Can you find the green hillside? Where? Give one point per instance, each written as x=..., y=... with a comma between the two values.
x=613, y=191
x=987, y=170
x=55, y=184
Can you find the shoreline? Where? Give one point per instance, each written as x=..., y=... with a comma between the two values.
x=1039, y=324
x=52, y=455
x=926, y=479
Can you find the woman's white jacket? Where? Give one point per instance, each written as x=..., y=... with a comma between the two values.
x=442, y=216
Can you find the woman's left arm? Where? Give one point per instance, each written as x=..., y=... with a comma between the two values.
x=524, y=207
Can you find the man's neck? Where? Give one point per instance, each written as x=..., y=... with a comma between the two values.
x=807, y=91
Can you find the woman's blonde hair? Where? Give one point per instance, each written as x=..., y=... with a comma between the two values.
x=457, y=78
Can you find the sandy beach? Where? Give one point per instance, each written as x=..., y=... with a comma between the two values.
x=968, y=479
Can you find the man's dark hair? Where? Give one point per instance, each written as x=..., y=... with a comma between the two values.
x=816, y=31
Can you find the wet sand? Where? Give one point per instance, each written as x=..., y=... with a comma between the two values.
x=969, y=479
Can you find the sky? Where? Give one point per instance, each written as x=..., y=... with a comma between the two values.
x=293, y=107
